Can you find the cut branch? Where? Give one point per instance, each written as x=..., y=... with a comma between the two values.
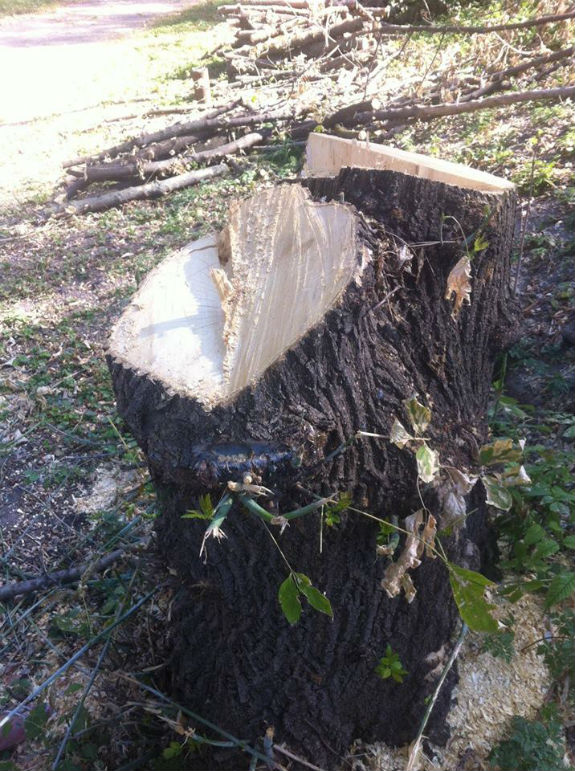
x=18, y=588
x=429, y=112
x=307, y=38
x=143, y=192
x=111, y=152
x=401, y=29
x=143, y=170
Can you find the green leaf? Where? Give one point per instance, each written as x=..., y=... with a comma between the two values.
x=480, y=244
x=419, y=415
x=289, y=600
x=427, y=463
x=206, y=509
x=569, y=542
x=36, y=720
x=499, y=451
x=317, y=600
x=301, y=581
x=468, y=589
x=534, y=534
x=497, y=495
x=561, y=588
x=399, y=435
x=195, y=514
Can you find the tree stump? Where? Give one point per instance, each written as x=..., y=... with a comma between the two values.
x=263, y=351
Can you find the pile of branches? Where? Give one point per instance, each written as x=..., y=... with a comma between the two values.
x=297, y=65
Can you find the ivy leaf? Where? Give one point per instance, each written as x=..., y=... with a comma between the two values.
x=499, y=451
x=419, y=415
x=427, y=463
x=399, y=435
x=468, y=589
x=317, y=600
x=288, y=597
x=497, y=495
x=561, y=588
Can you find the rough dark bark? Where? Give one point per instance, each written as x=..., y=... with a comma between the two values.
x=235, y=658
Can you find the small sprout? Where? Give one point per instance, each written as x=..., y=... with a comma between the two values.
x=390, y=666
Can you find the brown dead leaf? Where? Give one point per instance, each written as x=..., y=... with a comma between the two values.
x=459, y=284
x=409, y=558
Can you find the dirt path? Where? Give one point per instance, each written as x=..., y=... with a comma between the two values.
x=55, y=56
x=74, y=77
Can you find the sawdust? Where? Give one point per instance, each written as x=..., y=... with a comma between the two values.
x=110, y=482
x=490, y=691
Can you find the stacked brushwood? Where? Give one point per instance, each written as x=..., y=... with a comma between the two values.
x=296, y=66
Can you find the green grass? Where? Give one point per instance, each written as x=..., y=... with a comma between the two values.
x=17, y=7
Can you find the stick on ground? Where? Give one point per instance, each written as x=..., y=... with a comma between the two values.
x=143, y=192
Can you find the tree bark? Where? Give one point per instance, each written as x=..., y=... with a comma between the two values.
x=389, y=335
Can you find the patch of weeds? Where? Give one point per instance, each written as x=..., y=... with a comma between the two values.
x=536, y=177
x=557, y=648
x=540, y=525
x=286, y=159
x=531, y=746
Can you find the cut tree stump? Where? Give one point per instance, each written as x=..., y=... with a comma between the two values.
x=263, y=351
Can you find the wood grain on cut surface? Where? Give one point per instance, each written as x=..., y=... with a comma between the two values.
x=208, y=323
x=326, y=155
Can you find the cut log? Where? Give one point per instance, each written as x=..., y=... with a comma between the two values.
x=264, y=351
x=146, y=169
x=142, y=192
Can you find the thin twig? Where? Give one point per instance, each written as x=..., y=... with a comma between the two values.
x=299, y=760
x=415, y=747
x=73, y=659
x=240, y=743
x=9, y=591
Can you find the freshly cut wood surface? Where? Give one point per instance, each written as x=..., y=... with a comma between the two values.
x=214, y=316
x=326, y=155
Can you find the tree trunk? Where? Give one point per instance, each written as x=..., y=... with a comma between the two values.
x=327, y=323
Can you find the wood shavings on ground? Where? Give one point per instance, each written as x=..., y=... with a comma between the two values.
x=489, y=693
x=109, y=483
